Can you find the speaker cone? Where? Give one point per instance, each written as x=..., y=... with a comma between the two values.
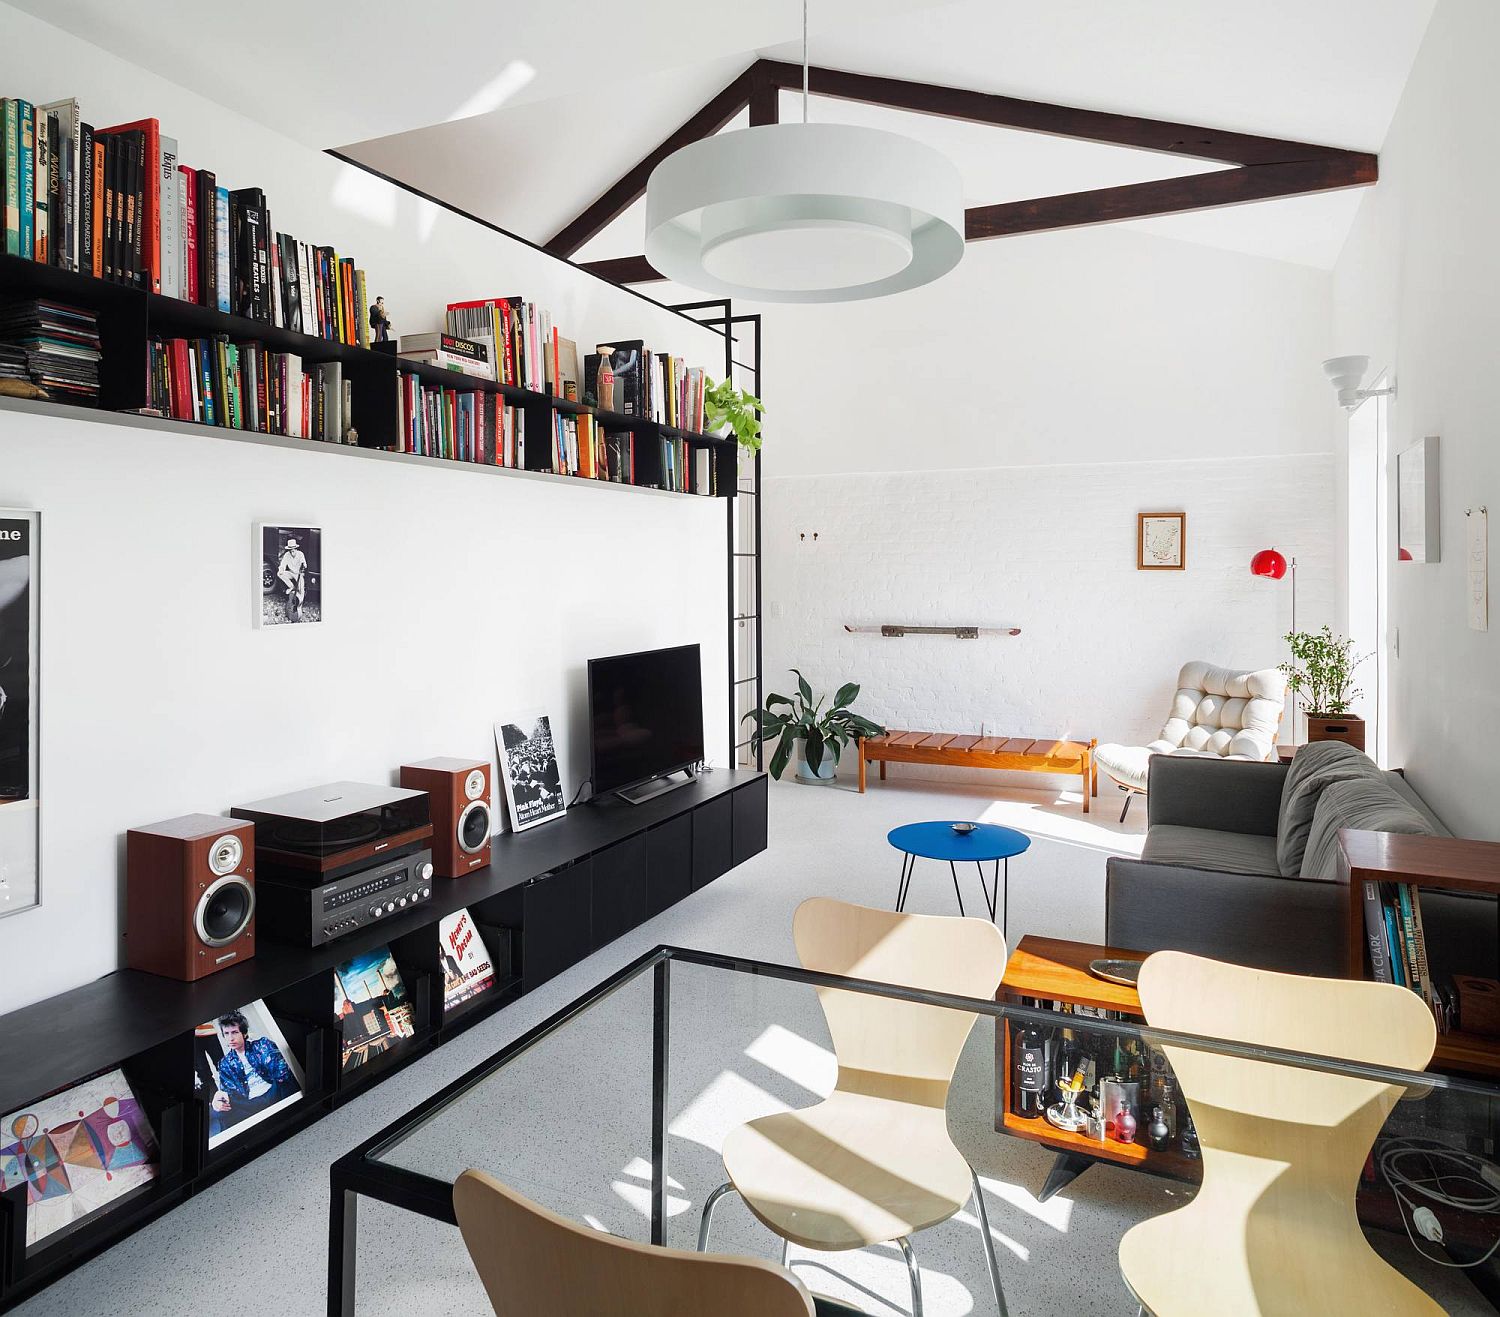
x=224, y=911
x=474, y=827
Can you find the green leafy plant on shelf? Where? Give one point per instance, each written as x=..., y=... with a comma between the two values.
x=723, y=404
x=823, y=733
x=1321, y=673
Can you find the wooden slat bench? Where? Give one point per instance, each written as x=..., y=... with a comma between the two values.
x=1019, y=754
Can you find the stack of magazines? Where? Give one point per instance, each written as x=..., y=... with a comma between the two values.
x=59, y=345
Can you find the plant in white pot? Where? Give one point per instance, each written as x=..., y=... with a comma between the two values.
x=802, y=724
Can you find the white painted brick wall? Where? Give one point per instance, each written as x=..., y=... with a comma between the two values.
x=1051, y=550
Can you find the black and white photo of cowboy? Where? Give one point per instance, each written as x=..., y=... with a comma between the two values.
x=291, y=575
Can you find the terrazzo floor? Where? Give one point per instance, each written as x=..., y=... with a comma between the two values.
x=569, y=1122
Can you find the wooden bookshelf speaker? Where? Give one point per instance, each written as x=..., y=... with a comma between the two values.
x=190, y=896
x=462, y=815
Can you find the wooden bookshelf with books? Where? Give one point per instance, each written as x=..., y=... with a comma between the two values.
x=1385, y=874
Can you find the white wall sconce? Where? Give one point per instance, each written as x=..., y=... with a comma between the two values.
x=1346, y=374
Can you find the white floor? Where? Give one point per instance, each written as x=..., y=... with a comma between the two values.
x=569, y=1123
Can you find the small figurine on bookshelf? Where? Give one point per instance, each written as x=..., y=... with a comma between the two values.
x=380, y=322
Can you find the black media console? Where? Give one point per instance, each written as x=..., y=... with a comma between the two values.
x=547, y=899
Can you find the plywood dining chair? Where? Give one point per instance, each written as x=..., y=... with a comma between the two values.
x=873, y=1162
x=1273, y=1229
x=534, y=1262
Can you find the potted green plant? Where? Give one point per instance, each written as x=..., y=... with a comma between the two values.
x=801, y=723
x=723, y=404
x=1321, y=675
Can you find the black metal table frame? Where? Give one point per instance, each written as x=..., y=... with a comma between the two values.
x=359, y=1173
x=991, y=894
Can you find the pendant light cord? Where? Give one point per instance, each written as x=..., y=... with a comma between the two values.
x=804, y=61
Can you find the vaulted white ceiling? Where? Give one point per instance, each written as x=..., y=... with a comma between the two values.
x=523, y=114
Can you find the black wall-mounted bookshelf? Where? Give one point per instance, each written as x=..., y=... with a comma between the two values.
x=129, y=318
x=548, y=898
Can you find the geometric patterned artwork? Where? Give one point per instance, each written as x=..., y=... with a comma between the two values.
x=79, y=1153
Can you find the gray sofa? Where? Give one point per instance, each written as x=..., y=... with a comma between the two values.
x=1221, y=875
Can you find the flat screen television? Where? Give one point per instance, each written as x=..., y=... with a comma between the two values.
x=645, y=716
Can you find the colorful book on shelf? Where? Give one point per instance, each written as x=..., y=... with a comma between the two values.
x=1375, y=935
x=223, y=258
x=41, y=186
x=147, y=134
x=10, y=151
x=1393, y=943
x=169, y=221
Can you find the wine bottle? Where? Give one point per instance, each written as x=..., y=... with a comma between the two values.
x=1030, y=1071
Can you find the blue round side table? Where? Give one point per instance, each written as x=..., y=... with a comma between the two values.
x=938, y=841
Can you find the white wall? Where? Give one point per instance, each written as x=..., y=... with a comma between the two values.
x=1418, y=289
x=452, y=597
x=1008, y=423
x=1050, y=549
x=1091, y=345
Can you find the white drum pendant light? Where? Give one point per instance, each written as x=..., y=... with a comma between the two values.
x=804, y=212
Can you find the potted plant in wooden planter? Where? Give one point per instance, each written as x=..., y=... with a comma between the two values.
x=818, y=735
x=1321, y=675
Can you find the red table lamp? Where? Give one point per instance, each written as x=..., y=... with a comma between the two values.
x=1270, y=562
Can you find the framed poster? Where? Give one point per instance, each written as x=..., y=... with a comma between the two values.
x=289, y=566
x=528, y=767
x=1417, y=503
x=1161, y=541
x=20, y=669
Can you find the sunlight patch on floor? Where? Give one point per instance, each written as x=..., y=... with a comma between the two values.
x=1036, y=819
x=724, y=1104
x=793, y=1057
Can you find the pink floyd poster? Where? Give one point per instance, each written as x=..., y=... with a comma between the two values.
x=20, y=544
x=79, y=1153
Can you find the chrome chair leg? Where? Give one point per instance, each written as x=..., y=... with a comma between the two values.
x=711, y=1202
x=989, y=1246
x=916, y=1278
x=786, y=1245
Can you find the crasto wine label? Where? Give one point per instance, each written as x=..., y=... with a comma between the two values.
x=1031, y=1069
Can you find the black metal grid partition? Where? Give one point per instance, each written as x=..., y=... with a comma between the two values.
x=370, y=1171
x=742, y=364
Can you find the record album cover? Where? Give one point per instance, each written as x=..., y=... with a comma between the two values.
x=528, y=767
x=80, y=1153
x=244, y=1070
x=467, y=968
x=373, y=1006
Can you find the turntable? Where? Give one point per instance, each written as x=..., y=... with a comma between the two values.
x=336, y=858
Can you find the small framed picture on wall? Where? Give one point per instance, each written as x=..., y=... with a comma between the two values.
x=290, y=571
x=1161, y=541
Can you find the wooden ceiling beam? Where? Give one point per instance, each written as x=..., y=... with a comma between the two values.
x=1167, y=196
x=1041, y=117
x=1268, y=167
x=623, y=193
x=624, y=270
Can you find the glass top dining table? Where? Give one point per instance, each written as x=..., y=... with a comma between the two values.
x=614, y=1112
